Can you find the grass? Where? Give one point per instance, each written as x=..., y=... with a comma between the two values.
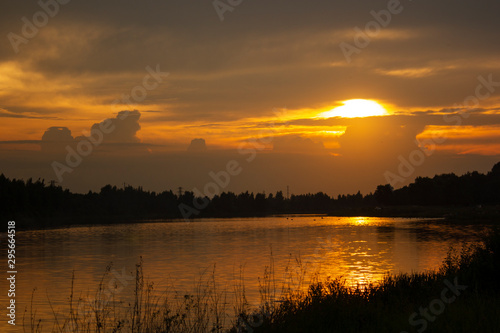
x=202, y=311
x=333, y=306
x=400, y=303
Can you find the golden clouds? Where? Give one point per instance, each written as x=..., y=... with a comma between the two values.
x=482, y=140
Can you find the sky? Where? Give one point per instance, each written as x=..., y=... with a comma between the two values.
x=236, y=95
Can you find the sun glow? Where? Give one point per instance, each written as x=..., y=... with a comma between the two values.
x=356, y=108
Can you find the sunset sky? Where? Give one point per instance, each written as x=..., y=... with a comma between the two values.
x=261, y=77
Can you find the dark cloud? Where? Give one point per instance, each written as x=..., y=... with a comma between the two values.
x=55, y=139
x=122, y=129
x=110, y=135
x=57, y=134
x=197, y=145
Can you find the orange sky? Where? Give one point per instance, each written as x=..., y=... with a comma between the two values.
x=267, y=73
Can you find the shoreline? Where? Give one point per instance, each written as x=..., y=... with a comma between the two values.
x=450, y=214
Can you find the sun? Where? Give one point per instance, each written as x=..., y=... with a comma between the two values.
x=356, y=108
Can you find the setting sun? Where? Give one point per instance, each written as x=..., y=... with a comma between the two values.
x=356, y=108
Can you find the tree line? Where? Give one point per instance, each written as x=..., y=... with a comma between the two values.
x=34, y=199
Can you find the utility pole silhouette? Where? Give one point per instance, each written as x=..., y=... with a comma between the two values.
x=180, y=191
x=287, y=192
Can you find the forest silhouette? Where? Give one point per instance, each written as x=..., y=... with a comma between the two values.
x=44, y=204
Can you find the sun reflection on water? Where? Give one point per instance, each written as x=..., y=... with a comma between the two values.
x=359, y=220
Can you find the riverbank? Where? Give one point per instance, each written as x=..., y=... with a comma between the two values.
x=452, y=214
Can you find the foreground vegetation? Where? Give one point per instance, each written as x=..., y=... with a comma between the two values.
x=463, y=295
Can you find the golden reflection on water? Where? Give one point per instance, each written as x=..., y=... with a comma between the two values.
x=358, y=220
x=361, y=250
x=362, y=267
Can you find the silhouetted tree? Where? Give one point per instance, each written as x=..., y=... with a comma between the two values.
x=384, y=194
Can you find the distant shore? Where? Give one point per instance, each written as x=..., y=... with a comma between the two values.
x=456, y=214
x=36, y=205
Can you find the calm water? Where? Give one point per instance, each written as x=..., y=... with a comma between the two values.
x=176, y=254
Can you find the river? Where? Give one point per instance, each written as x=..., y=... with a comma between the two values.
x=175, y=254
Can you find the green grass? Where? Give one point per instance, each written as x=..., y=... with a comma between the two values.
x=325, y=306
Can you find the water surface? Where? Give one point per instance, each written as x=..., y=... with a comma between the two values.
x=175, y=254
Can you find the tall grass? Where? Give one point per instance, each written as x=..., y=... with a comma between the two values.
x=293, y=304
x=334, y=306
x=202, y=311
